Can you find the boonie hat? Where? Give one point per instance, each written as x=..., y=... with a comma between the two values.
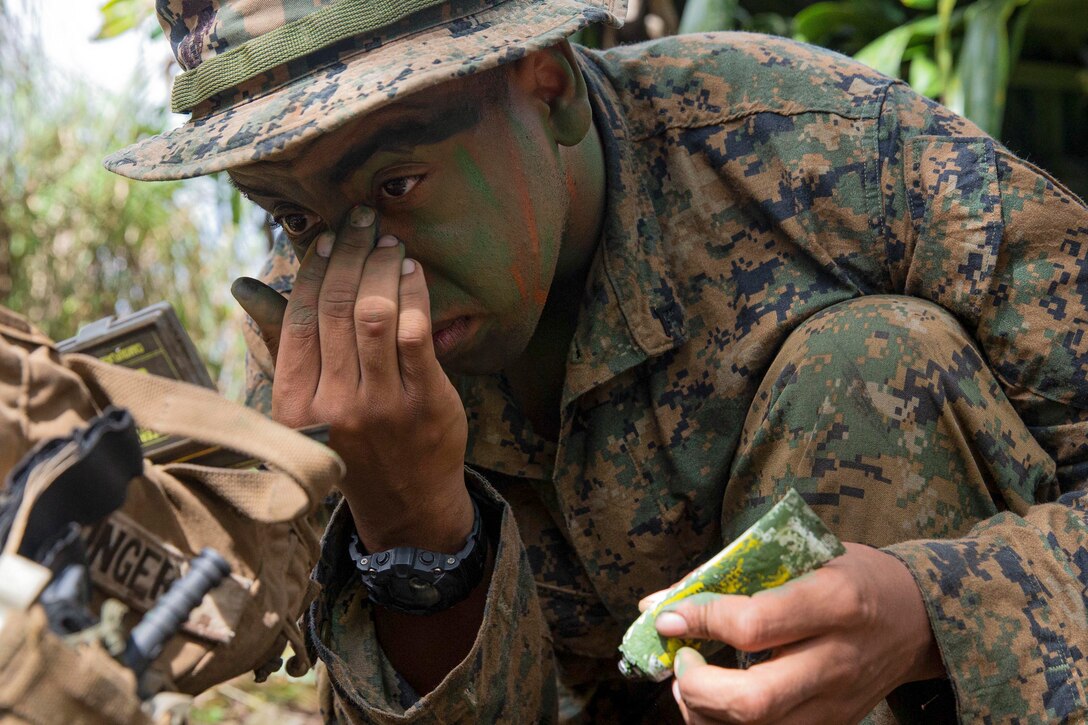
x=262, y=76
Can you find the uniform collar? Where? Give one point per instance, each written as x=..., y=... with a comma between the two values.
x=629, y=312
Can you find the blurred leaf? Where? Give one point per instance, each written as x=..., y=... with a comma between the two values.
x=984, y=62
x=1020, y=23
x=236, y=204
x=885, y=54
x=925, y=76
x=942, y=44
x=953, y=93
x=847, y=25
x=1060, y=27
x=703, y=16
x=772, y=23
x=920, y=4
x=121, y=16
x=1050, y=77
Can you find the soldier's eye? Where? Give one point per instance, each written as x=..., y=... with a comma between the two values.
x=400, y=186
x=296, y=224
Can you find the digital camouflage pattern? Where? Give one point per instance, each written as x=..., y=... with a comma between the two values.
x=809, y=277
x=296, y=101
x=786, y=542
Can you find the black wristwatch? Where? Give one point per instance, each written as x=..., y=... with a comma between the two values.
x=419, y=581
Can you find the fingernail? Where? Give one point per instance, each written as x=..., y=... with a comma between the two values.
x=324, y=244
x=407, y=266
x=685, y=659
x=671, y=624
x=388, y=241
x=676, y=692
x=362, y=217
x=240, y=290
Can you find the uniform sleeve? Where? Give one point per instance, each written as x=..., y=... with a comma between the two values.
x=507, y=676
x=1005, y=248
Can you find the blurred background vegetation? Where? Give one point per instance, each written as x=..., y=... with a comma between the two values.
x=77, y=243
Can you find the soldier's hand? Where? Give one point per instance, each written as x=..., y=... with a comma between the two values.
x=353, y=350
x=841, y=638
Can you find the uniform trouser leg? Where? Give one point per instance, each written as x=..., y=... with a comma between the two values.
x=882, y=413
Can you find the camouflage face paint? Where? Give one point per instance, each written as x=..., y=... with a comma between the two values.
x=486, y=223
x=429, y=128
x=481, y=204
x=474, y=176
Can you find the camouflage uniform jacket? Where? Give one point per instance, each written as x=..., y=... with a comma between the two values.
x=752, y=182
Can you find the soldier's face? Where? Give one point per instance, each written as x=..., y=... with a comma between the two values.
x=468, y=178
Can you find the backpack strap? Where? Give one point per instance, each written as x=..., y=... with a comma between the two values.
x=302, y=471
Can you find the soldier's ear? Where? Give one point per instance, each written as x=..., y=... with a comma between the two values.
x=553, y=77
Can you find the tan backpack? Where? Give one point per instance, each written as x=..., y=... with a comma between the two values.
x=257, y=519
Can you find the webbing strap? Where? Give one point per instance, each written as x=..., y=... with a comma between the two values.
x=294, y=40
x=81, y=478
x=303, y=470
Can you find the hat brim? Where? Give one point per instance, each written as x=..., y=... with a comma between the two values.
x=323, y=100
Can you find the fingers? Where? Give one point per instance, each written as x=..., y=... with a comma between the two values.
x=838, y=640
x=765, y=693
x=376, y=317
x=265, y=306
x=299, y=355
x=800, y=609
x=338, y=296
x=420, y=373
x=803, y=684
x=358, y=313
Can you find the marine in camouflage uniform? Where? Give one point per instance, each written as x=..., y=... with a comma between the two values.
x=809, y=276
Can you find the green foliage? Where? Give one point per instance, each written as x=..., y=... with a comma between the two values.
x=846, y=25
x=78, y=243
x=121, y=16
x=706, y=15
x=985, y=61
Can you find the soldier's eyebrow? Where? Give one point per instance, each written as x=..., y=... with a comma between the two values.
x=248, y=191
x=407, y=132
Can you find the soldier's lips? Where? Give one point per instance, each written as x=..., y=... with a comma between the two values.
x=449, y=334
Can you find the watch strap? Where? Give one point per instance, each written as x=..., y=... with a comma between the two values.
x=421, y=581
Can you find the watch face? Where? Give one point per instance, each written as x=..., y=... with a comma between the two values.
x=418, y=581
x=414, y=591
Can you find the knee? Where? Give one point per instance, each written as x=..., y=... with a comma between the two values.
x=885, y=404
x=880, y=327
x=903, y=354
